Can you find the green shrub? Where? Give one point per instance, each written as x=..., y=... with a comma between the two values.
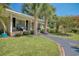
x=42, y=30
x=31, y=32
x=26, y=33
x=18, y=34
x=1, y=31
x=50, y=30
x=75, y=30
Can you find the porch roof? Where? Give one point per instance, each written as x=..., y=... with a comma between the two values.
x=19, y=16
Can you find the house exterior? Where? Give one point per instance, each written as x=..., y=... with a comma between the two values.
x=15, y=20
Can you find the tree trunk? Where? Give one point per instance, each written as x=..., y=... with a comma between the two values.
x=57, y=28
x=4, y=26
x=35, y=26
x=46, y=25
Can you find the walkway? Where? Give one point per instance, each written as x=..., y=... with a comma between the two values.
x=68, y=45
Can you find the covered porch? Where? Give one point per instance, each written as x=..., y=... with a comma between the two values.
x=19, y=23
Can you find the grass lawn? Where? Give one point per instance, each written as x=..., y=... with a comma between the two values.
x=28, y=46
x=71, y=36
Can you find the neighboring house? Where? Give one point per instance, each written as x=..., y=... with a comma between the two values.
x=17, y=21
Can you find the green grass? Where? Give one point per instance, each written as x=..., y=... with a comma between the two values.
x=73, y=36
x=28, y=46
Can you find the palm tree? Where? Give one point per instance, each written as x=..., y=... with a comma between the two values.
x=57, y=22
x=47, y=11
x=2, y=18
x=34, y=10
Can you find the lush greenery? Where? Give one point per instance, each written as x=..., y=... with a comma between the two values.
x=28, y=46
x=67, y=26
x=61, y=23
x=72, y=36
x=39, y=11
x=46, y=12
x=2, y=17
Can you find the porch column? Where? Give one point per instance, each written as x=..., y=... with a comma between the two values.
x=10, y=25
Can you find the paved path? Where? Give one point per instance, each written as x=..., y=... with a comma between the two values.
x=68, y=45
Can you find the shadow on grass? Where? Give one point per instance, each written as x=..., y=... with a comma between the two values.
x=66, y=34
x=62, y=34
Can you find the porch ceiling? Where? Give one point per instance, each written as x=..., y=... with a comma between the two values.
x=19, y=16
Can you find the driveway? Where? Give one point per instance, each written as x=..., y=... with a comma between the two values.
x=68, y=45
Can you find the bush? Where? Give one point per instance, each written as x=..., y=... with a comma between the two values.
x=31, y=32
x=26, y=33
x=51, y=30
x=1, y=31
x=42, y=30
x=18, y=34
x=75, y=30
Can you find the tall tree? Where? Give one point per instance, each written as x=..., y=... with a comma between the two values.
x=2, y=18
x=34, y=10
x=65, y=21
x=47, y=12
x=57, y=22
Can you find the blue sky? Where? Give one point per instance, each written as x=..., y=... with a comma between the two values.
x=62, y=9
x=66, y=8
x=16, y=7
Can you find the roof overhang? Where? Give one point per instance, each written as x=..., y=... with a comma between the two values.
x=17, y=15
x=20, y=16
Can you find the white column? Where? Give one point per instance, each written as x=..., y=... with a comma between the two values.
x=10, y=25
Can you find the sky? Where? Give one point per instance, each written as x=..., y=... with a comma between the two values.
x=66, y=9
x=62, y=9
x=16, y=7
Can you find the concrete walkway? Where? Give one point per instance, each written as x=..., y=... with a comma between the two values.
x=68, y=45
